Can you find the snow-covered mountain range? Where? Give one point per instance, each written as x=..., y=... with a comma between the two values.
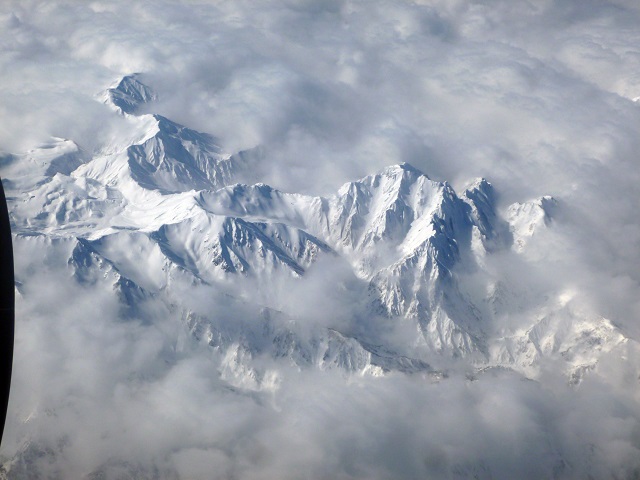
x=163, y=207
x=164, y=217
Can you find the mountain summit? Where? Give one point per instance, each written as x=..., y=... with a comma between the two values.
x=129, y=94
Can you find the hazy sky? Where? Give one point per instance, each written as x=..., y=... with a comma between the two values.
x=535, y=95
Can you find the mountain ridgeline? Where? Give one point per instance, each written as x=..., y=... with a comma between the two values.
x=166, y=211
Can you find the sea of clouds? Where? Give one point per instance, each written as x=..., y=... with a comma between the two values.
x=537, y=96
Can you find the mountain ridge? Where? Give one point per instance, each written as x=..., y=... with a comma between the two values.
x=168, y=193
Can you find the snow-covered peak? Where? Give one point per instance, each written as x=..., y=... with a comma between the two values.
x=490, y=232
x=528, y=217
x=166, y=157
x=382, y=207
x=405, y=169
x=392, y=181
x=179, y=159
x=128, y=94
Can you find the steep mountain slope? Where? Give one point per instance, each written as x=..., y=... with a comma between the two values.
x=128, y=94
x=167, y=157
